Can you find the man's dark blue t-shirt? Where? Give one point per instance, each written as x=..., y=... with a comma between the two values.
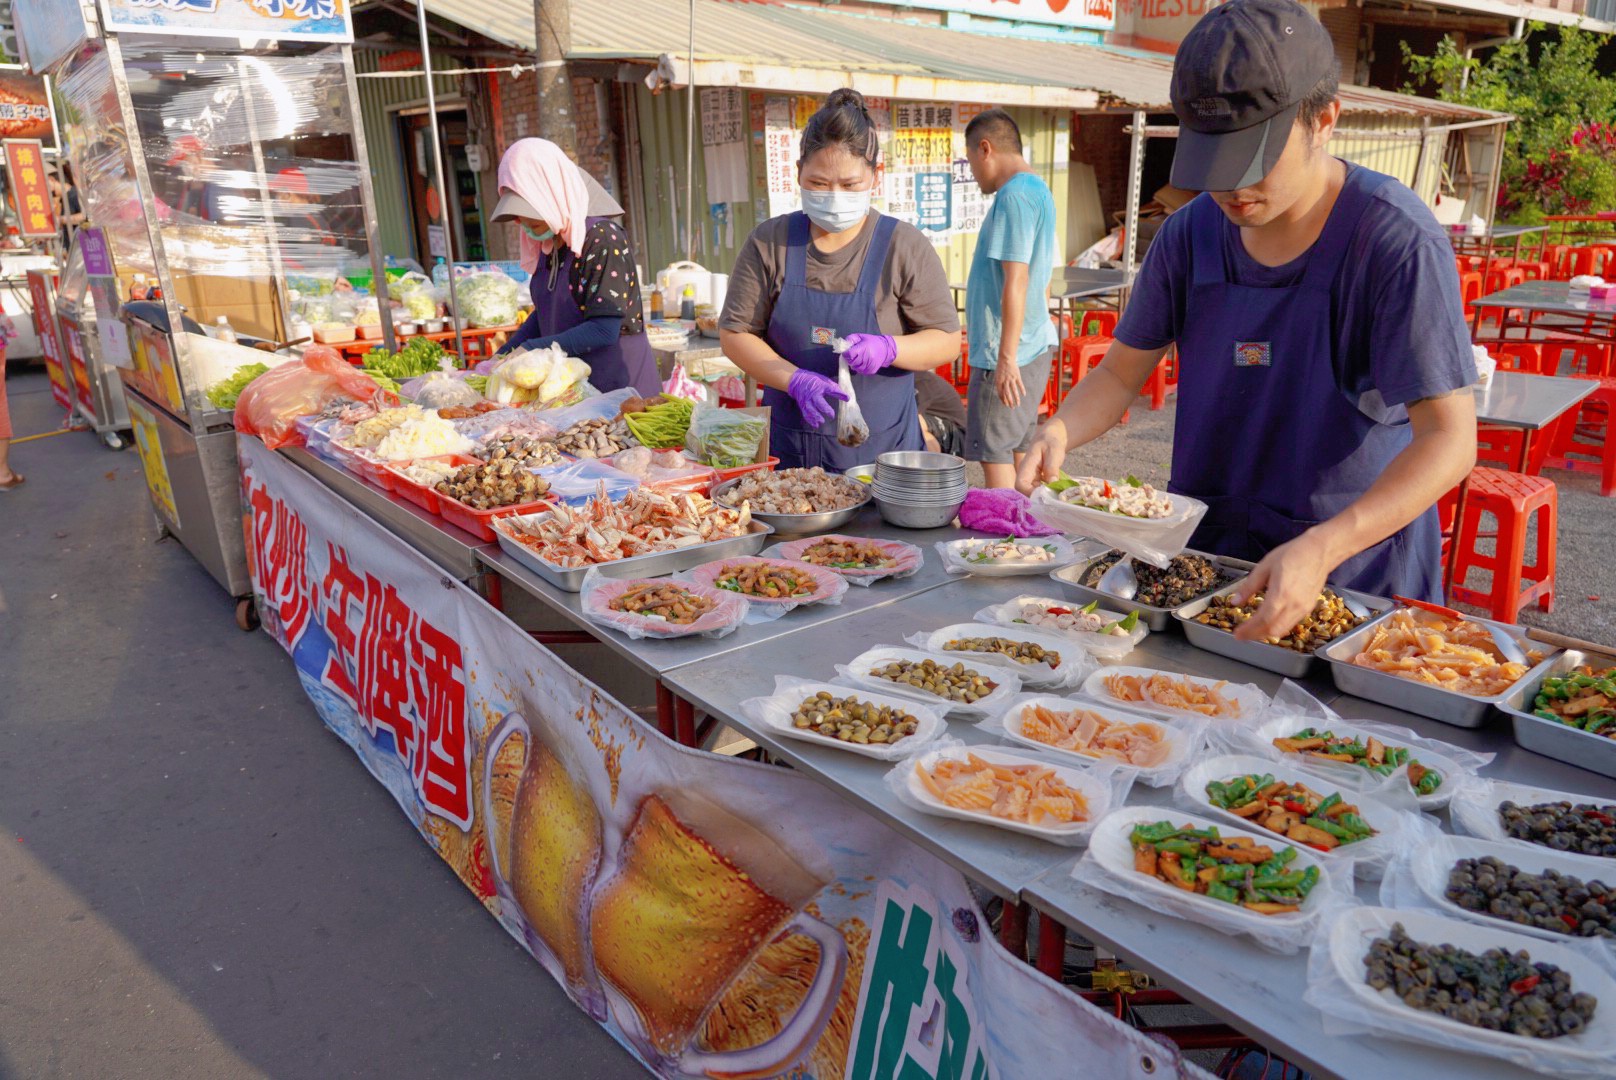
x=1399, y=325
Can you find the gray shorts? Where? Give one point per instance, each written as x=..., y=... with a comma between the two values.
x=993, y=433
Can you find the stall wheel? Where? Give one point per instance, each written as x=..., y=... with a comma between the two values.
x=247, y=614
x=113, y=441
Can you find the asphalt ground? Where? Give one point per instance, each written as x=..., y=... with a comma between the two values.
x=197, y=880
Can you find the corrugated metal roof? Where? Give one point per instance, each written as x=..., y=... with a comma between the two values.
x=762, y=32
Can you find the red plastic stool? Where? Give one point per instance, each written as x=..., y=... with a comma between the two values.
x=1513, y=499
x=1588, y=358
x=1470, y=290
x=1097, y=323
x=1081, y=355
x=1524, y=356
x=1589, y=435
x=1164, y=376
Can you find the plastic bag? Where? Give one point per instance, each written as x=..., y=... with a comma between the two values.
x=829, y=587
x=1350, y=1006
x=1474, y=810
x=441, y=390
x=597, y=407
x=857, y=673
x=491, y=425
x=270, y=405
x=1075, y=664
x=1109, y=867
x=1418, y=878
x=1294, y=709
x=576, y=482
x=1103, y=646
x=1253, y=703
x=725, y=438
x=1102, y=788
x=1153, y=540
x=906, y=558
x=598, y=592
x=536, y=377
x=658, y=468
x=488, y=299
x=774, y=713
x=851, y=428
x=680, y=384
x=966, y=556
x=1184, y=739
x=1392, y=814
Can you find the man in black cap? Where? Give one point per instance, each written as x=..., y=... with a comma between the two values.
x=1323, y=352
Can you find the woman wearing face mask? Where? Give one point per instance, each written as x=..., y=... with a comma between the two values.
x=586, y=291
x=837, y=269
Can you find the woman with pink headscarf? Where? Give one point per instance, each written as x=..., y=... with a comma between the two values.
x=586, y=290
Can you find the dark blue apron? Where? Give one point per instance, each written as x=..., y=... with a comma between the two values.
x=1269, y=432
x=625, y=362
x=800, y=329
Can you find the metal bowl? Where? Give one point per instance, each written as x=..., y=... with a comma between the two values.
x=799, y=524
x=917, y=516
x=864, y=474
x=920, y=461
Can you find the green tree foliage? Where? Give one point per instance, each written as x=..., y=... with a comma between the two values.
x=1560, y=151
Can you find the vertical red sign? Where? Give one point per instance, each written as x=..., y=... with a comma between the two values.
x=30, y=187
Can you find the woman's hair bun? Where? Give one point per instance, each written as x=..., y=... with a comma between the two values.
x=845, y=96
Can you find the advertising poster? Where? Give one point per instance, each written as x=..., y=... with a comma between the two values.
x=286, y=20
x=40, y=288
x=30, y=187
x=25, y=106
x=149, y=445
x=719, y=917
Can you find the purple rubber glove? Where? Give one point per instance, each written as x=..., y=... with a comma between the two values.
x=812, y=393
x=868, y=353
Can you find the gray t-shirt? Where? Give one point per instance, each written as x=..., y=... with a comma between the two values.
x=913, y=294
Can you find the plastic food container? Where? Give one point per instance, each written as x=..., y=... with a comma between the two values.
x=1253, y=702
x=1562, y=742
x=571, y=578
x=1422, y=699
x=333, y=334
x=1287, y=662
x=773, y=713
x=1096, y=793
x=369, y=331
x=426, y=498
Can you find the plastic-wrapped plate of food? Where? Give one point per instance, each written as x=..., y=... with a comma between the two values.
x=874, y=725
x=662, y=607
x=1007, y=556
x=771, y=581
x=859, y=559
x=1107, y=634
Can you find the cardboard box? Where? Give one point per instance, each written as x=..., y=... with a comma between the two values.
x=249, y=303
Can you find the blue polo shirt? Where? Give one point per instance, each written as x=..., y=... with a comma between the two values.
x=1019, y=227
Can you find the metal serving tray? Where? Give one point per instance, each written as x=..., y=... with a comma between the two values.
x=1157, y=618
x=1423, y=699
x=654, y=565
x=1287, y=662
x=1562, y=742
x=798, y=524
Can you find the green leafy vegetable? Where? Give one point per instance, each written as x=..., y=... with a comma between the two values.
x=224, y=393
x=1061, y=483
x=419, y=356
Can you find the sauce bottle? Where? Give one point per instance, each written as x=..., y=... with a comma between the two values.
x=687, y=304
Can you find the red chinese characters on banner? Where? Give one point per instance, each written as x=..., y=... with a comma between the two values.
x=30, y=190
x=402, y=675
x=280, y=543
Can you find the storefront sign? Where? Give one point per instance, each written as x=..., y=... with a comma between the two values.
x=723, y=115
x=781, y=141
x=149, y=445
x=934, y=200
x=93, y=246
x=718, y=917
x=1073, y=14
x=284, y=20
x=30, y=187
x=25, y=106
x=40, y=288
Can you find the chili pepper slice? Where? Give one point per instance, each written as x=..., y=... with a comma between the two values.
x=1295, y=807
x=1059, y=611
x=1570, y=920
x=1526, y=984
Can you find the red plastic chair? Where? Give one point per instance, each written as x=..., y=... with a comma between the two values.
x=1593, y=259
x=1588, y=435
x=1470, y=290
x=1513, y=500
x=1524, y=356
x=1585, y=357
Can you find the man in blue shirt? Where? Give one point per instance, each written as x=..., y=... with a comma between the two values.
x=1007, y=320
x=1323, y=352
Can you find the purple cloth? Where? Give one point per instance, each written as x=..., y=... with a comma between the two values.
x=1001, y=511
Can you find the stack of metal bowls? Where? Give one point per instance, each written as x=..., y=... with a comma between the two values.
x=916, y=489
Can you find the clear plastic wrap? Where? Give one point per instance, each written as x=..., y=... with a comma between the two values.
x=1075, y=664
x=1103, y=646
x=829, y=587
x=272, y=403
x=851, y=428
x=1392, y=814
x=488, y=299
x=1336, y=986
x=662, y=468
x=1153, y=540
x=598, y=592
x=491, y=425
x=1418, y=878
x=857, y=673
x=1108, y=866
x=775, y=712
x=576, y=482
x=1252, y=702
x=537, y=377
x=1474, y=812
x=1102, y=790
x=599, y=407
x=1184, y=739
x=906, y=558
x=441, y=390
x=725, y=438
x=1294, y=709
x=966, y=556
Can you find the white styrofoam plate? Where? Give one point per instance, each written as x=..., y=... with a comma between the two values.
x=1252, y=701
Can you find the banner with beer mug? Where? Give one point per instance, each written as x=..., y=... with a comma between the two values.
x=720, y=917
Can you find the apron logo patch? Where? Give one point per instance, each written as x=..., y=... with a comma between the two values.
x=1253, y=354
x=822, y=335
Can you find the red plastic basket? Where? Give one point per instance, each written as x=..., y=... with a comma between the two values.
x=419, y=494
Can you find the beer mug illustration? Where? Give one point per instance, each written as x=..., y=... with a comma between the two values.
x=694, y=895
x=555, y=845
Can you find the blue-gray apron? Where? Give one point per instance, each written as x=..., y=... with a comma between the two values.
x=627, y=361
x=801, y=328
x=1269, y=434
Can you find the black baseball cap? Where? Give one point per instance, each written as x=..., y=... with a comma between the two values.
x=1238, y=79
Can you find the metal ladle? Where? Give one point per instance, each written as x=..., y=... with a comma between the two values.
x=1120, y=580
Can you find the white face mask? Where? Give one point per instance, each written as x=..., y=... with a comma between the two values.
x=835, y=211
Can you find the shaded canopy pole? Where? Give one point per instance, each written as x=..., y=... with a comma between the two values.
x=690, y=141
x=437, y=172
x=1136, y=166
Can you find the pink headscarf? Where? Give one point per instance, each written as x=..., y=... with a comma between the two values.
x=540, y=172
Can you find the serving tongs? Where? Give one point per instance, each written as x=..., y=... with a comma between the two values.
x=1508, y=648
